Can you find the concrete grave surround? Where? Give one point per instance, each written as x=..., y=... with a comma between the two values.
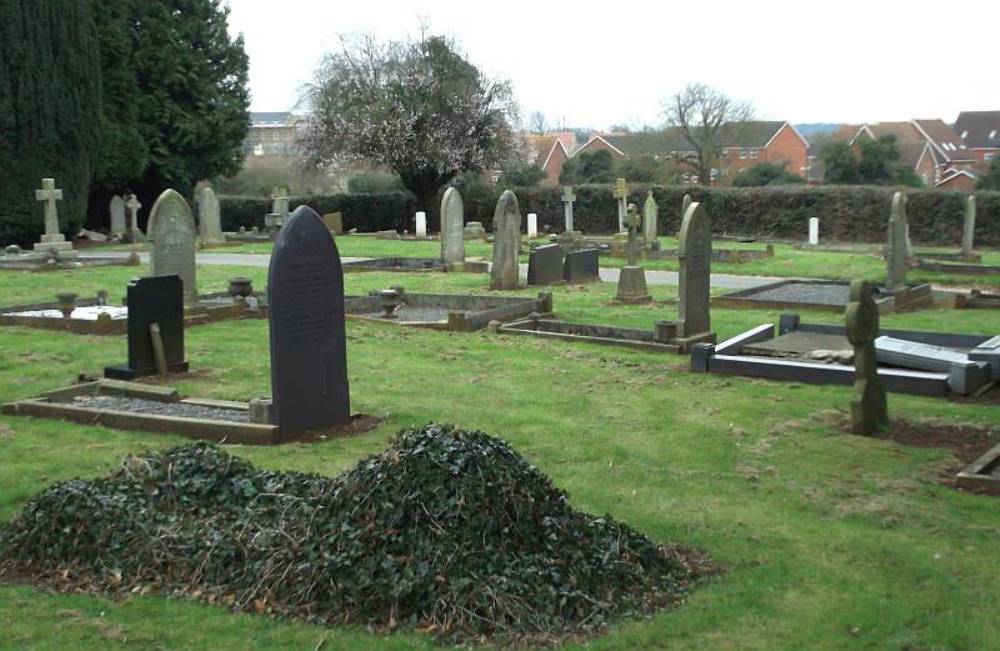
x=897, y=255
x=153, y=300
x=305, y=291
x=869, y=412
x=694, y=254
x=506, y=242
x=421, y=223
x=209, y=217
x=116, y=214
x=568, y=198
x=969, y=226
x=452, y=227
x=814, y=231
x=545, y=265
x=172, y=232
x=650, y=217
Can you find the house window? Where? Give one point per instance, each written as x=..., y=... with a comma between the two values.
x=987, y=157
x=743, y=154
x=754, y=152
x=258, y=149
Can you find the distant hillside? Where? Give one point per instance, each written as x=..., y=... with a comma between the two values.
x=817, y=129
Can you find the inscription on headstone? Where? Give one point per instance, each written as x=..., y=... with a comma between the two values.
x=868, y=404
x=172, y=232
x=305, y=293
x=153, y=300
x=506, y=242
x=694, y=254
x=452, y=227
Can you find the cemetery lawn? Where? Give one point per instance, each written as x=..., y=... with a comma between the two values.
x=828, y=540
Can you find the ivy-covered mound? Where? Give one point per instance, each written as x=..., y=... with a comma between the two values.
x=449, y=531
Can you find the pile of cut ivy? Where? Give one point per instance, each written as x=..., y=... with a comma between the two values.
x=449, y=531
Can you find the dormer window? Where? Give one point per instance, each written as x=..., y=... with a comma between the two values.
x=965, y=134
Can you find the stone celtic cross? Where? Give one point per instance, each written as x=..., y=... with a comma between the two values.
x=50, y=195
x=869, y=412
x=632, y=220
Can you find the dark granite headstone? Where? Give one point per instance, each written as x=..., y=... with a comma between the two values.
x=545, y=265
x=160, y=300
x=581, y=266
x=305, y=293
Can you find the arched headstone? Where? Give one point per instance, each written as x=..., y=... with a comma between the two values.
x=506, y=242
x=172, y=233
x=694, y=254
x=452, y=227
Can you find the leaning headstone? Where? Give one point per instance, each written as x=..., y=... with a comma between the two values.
x=305, y=293
x=545, y=265
x=897, y=254
x=869, y=412
x=153, y=301
x=209, y=219
x=568, y=198
x=650, y=216
x=116, y=211
x=814, y=231
x=621, y=196
x=532, y=226
x=172, y=232
x=421, y=220
x=965, y=375
x=582, y=266
x=506, y=242
x=52, y=240
x=969, y=226
x=452, y=225
x=694, y=254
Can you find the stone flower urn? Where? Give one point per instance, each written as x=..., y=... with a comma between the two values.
x=390, y=299
x=240, y=286
x=67, y=303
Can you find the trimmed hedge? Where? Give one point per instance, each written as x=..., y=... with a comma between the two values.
x=846, y=213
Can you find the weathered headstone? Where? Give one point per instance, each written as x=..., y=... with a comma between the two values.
x=421, y=221
x=133, y=205
x=650, y=217
x=632, y=278
x=969, y=226
x=506, y=242
x=172, y=232
x=155, y=300
x=545, y=265
x=272, y=223
x=52, y=240
x=474, y=231
x=452, y=225
x=869, y=411
x=568, y=198
x=621, y=196
x=334, y=222
x=685, y=204
x=581, y=266
x=279, y=202
x=116, y=212
x=814, y=231
x=532, y=226
x=209, y=219
x=897, y=254
x=305, y=293
x=694, y=254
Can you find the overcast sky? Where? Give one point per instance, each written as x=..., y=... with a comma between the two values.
x=597, y=64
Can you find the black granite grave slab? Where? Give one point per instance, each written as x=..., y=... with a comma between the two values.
x=159, y=300
x=828, y=296
x=305, y=290
x=545, y=265
x=582, y=266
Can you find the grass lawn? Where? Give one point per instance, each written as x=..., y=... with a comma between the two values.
x=830, y=541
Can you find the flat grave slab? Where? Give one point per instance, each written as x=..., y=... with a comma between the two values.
x=459, y=312
x=983, y=474
x=816, y=354
x=414, y=265
x=828, y=296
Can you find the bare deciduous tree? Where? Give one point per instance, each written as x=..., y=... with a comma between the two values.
x=705, y=116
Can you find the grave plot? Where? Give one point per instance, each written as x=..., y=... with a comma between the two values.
x=723, y=256
x=978, y=300
x=824, y=295
x=414, y=265
x=919, y=363
x=957, y=267
x=983, y=474
x=14, y=259
x=457, y=312
x=662, y=338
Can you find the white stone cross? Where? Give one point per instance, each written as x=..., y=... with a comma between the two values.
x=50, y=195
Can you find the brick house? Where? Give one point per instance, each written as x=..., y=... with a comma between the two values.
x=956, y=179
x=930, y=148
x=272, y=135
x=743, y=145
x=550, y=152
x=981, y=132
